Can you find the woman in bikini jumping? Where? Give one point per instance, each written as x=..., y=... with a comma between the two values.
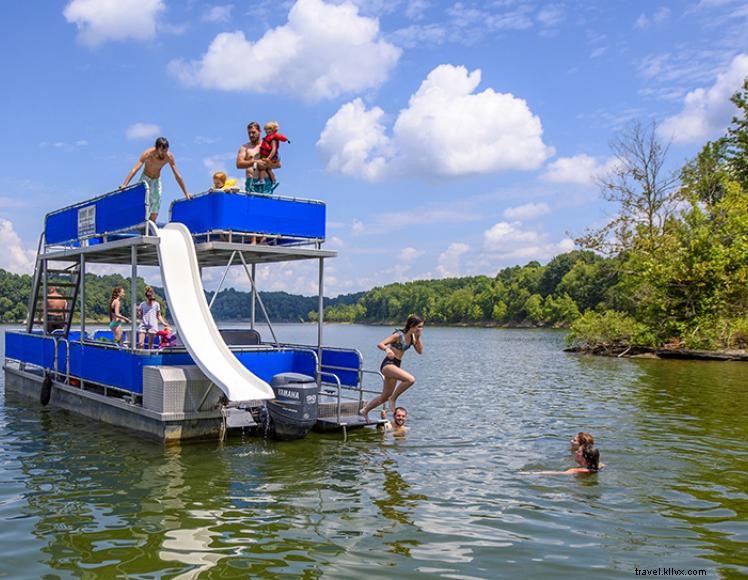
x=396, y=380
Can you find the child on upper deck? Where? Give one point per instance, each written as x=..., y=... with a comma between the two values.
x=269, y=158
x=223, y=183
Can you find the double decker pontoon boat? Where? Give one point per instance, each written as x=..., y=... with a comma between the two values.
x=213, y=380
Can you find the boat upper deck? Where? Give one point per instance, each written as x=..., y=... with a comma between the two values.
x=113, y=228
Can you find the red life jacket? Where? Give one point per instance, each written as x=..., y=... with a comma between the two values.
x=267, y=145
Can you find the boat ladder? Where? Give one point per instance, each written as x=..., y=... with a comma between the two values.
x=48, y=313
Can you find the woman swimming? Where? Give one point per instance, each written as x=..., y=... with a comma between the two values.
x=588, y=458
x=396, y=380
x=115, y=318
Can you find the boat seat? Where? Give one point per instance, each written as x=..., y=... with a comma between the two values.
x=240, y=336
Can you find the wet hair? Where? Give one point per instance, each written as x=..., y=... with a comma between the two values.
x=271, y=126
x=221, y=176
x=412, y=321
x=162, y=143
x=403, y=409
x=115, y=293
x=254, y=124
x=591, y=456
x=585, y=439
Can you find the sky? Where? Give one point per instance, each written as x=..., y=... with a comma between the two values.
x=447, y=138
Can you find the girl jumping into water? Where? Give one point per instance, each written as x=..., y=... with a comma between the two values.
x=396, y=380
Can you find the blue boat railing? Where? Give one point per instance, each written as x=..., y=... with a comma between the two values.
x=117, y=212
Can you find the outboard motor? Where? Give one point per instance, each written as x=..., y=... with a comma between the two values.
x=293, y=412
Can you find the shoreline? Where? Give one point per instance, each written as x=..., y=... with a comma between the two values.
x=645, y=352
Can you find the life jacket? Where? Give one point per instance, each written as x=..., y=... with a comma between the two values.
x=267, y=145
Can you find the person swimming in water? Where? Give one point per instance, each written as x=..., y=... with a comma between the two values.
x=396, y=380
x=586, y=456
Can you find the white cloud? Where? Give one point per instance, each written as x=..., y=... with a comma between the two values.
x=221, y=162
x=707, y=112
x=218, y=13
x=64, y=145
x=101, y=20
x=354, y=143
x=449, y=260
x=527, y=211
x=409, y=254
x=358, y=227
x=658, y=17
x=504, y=134
x=551, y=15
x=14, y=257
x=508, y=241
x=142, y=131
x=580, y=169
x=386, y=221
x=323, y=51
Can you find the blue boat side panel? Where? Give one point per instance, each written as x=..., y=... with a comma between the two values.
x=219, y=210
x=117, y=367
x=266, y=364
x=30, y=348
x=335, y=360
x=119, y=210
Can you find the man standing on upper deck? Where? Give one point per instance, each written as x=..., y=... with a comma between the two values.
x=153, y=160
x=249, y=153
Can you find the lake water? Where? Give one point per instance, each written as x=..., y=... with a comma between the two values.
x=80, y=499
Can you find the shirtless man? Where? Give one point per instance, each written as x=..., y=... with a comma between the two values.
x=397, y=425
x=56, y=305
x=153, y=160
x=249, y=154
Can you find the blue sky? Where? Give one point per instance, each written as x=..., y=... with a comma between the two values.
x=447, y=138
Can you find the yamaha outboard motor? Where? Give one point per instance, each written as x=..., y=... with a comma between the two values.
x=293, y=412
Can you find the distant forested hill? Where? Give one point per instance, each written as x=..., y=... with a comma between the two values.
x=230, y=305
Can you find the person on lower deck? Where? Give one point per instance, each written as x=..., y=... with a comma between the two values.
x=396, y=380
x=153, y=160
x=149, y=313
x=116, y=318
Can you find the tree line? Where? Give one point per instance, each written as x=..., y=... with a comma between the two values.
x=230, y=304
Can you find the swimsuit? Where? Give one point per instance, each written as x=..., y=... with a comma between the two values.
x=400, y=345
x=114, y=324
x=154, y=192
x=390, y=361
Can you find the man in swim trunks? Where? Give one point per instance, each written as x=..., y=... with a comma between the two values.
x=153, y=160
x=249, y=153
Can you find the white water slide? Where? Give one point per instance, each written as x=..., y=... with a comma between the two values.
x=194, y=322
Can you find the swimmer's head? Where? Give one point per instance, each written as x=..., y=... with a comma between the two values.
x=588, y=456
x=162, y=147
x=401, y=414
x=581, y=439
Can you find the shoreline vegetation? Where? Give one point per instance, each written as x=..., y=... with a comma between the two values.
x=666, y=277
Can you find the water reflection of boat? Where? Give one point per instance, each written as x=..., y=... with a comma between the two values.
x=212, y=381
